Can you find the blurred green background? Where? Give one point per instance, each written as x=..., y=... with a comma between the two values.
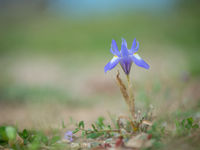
x=52, y=55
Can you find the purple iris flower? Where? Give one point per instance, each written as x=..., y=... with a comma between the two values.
x=68, y=136
x=125, y=57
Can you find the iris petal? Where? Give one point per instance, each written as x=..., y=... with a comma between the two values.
x=137, y=47
x=114, y=61
x=126, y=64
x=133, y=45
x=124, y=49
x=115, y=48
x=111, y=50
x=139, y=61
x=124, y=42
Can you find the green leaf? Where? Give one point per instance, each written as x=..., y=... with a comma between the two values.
x=188, y=126
x=83, y=133
x=3, y=135
x=11, y=133
x=76, y=130
x=44, y=139
x=54, y=139
x=162, y=130
x=190, y=121
x=81, y=124
x=34, y=145
x=195, y=126
x=109, y=127
x=94, y=135
x=177, y=124
x=39, y=137
x=24, y=134
x=63, y=124
x=183, y=123
x=100, y=122
x=94, y=128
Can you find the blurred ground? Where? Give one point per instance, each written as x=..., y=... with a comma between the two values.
x=44, y=92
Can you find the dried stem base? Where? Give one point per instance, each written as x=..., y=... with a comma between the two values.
x=127, y=94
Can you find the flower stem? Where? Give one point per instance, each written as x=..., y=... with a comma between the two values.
x=131, y=97
x=123, y=89
x=127, y=94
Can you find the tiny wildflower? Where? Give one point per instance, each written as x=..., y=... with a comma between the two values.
x=125, y=57
x=68, y=136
